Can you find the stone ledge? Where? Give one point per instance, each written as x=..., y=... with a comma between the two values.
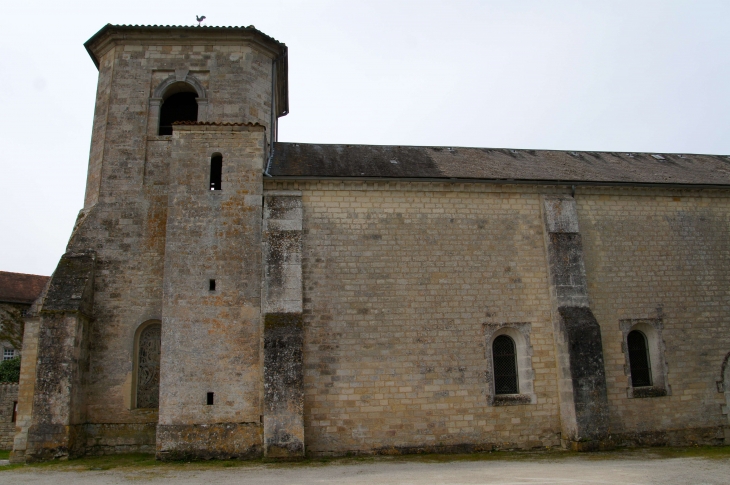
x=512, y=399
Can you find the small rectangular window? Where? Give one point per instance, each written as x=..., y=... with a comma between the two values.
x=216, y=172
x=8, y=354
x=15, y=411
x=211, y=285
x=210, y=399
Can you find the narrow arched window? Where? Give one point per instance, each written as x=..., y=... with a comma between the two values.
x=181, y=106
x=639, y=359
x=148, y=366
x=505, y=365
x=216, y=171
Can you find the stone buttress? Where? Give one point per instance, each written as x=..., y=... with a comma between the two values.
x=579, y=351
x=283, y=331
x=52, y=410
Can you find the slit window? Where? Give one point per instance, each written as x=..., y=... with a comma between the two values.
x=505, y=365
x=177, y=107
x=211, y=285
x=216, y=172
x=209, y=398
x=639, y=359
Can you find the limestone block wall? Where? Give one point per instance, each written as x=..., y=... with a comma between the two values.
x=400, y=280
x=26, y=388
x=236, y=80
x=283, y=325
x=662, y=256
x=581, y=369
x=8, y=401
x=210, y=384
x=124, y=219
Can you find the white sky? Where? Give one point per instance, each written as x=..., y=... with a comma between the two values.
x=617, y=75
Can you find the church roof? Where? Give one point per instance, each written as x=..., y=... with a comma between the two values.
x=20, y=287
x=303, y=160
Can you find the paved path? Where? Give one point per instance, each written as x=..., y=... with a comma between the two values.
x=569, y=470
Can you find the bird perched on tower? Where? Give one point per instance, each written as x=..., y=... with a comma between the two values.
x=199, y=19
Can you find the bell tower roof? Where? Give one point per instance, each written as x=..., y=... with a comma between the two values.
x=111, y=35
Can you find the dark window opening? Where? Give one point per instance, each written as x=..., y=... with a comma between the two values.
x=211, y=285
x=216, y=172
x=15, y=411
x=178, y=107
x=505, y=365
x=639, y=359
x=209, y=399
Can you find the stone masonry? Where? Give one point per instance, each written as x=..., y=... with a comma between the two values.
x=8, y=407
x=332, y=299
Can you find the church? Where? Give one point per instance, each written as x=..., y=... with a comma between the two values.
x=227, y=295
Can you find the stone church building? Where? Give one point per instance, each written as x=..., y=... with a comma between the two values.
x=224, y=294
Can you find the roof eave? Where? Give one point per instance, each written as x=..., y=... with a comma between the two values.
x=97, y=44
x=464, y=180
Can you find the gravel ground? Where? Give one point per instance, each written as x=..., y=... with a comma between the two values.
x=585, y=469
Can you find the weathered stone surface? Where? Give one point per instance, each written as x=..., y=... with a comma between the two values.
x=283, y=332
x=582, y=379
x=662, y=255
x=211, y=338
x=350, y=316
x=206, y=441
x=8, y=401
x=111, y=438
x=585, y=353
x=62, y=365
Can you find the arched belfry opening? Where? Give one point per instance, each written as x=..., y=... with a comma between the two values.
x=178, y=104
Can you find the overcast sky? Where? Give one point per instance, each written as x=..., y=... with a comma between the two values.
x=633, y=75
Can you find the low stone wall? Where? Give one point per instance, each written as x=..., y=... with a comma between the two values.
x=8, y=398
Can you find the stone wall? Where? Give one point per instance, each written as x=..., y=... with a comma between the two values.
x=8, y=400
x=400, y=280
x=127, y=222
x=125, y=215
x=210, y=371
x=664, y=256
x=283, y=325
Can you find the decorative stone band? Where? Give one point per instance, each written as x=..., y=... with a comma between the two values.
x=581, y=371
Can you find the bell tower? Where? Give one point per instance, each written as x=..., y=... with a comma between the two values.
x=150, y=335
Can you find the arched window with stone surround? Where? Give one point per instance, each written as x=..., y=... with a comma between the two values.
x=509, y=375
x=179, y=97
x=505, y=365
x=178, y=104
x=147, y=365
x=639, y=359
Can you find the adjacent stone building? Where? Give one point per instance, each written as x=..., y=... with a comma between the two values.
x=18, y=291
x=227, y=295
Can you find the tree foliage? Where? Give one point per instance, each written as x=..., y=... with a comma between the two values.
x=12, y=324
x=10, y=370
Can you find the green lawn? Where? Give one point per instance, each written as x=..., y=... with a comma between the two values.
x=139, y=460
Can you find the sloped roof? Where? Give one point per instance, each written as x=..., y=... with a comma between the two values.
x=21, y=287
x=541, y=166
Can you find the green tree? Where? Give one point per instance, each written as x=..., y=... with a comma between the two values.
x=10, y=370
x=11, y=325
